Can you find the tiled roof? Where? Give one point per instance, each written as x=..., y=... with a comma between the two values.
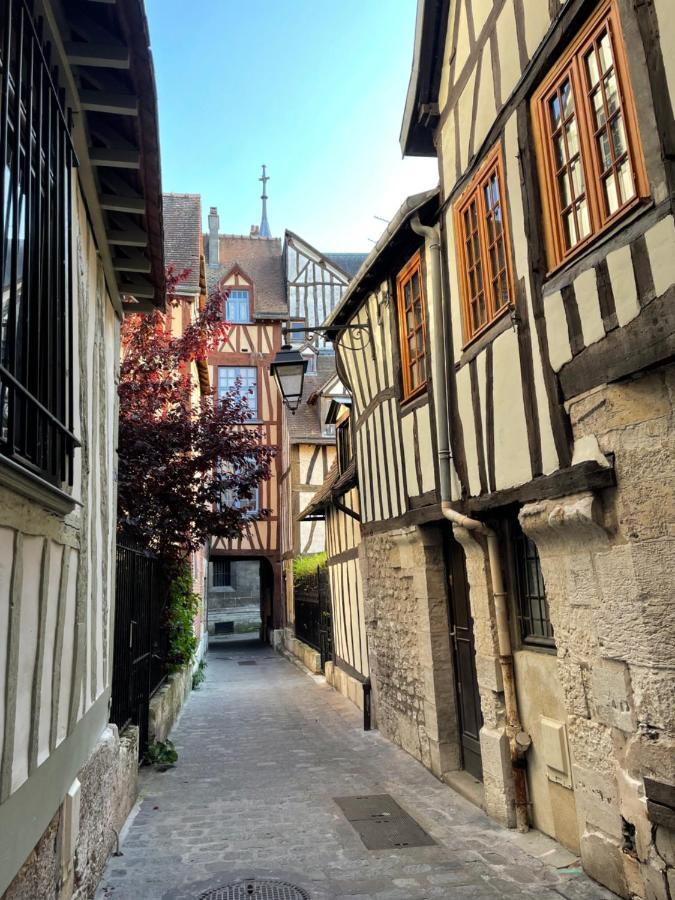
x=348, y=262
x=261, y=260
x=306, y=424
x=182, y=236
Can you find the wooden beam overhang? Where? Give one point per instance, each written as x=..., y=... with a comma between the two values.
x=104, y=51
x=132, y=262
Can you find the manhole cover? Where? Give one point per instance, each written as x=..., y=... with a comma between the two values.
x=247, y=662
x=256, y=890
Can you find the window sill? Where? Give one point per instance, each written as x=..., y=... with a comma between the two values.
x=418, y=398
x=15, y=478
x=501, y=323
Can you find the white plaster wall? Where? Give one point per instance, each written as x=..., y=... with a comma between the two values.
x=512, y=460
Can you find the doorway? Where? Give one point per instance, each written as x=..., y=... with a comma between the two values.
x=464, y=656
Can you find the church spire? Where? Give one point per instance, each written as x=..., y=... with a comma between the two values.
x=264, y=224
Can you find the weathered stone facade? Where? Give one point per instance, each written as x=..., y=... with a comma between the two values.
x=408, y=641
x=69, y=858
x=608, y=561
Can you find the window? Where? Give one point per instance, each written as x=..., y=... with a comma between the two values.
x=222, y=572
x=533, y=614
x=483, y=250
x=249, y=505
x=344, y=445
x=237, y=307
x=242, y=380
x=590, y=160
x=412, y=327
x=36, y=157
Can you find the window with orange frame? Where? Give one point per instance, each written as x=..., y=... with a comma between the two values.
x=591, y=167
x=483, y=248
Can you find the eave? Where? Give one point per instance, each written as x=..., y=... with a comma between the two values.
x=106, y=67
x=421, y=112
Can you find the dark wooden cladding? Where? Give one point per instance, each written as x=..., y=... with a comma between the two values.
x=643, y=270
x=585, y=476
x=527, y=378
x=573, y=319
x=645, y=342
x=606, y=297
x=560, y=426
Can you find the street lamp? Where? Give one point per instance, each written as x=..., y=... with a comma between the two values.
x=288, y=369
x=289, y=365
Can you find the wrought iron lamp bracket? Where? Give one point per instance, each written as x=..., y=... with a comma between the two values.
x=363, y=334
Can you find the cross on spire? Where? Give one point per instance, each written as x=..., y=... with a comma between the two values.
x=264, y=224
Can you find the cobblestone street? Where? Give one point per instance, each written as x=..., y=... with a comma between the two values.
x=263, y=751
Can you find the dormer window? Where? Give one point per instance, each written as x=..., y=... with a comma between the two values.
x=238, y=307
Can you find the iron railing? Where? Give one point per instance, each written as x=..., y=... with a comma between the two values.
x=141, y=638
x=313, y=619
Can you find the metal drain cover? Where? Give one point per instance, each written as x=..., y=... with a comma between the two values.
x=247, y=662
x=381, y=823
x=269, y=889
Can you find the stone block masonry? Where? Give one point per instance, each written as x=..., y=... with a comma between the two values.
x=68, y=860
x=409, y=644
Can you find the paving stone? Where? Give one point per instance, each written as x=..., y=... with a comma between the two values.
x=263, y=752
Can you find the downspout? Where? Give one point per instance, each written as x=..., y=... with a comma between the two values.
x=519, y=741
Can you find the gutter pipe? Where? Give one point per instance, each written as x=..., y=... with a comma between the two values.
x=519, y=741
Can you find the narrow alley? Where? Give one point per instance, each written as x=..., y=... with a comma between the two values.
x=264, y=750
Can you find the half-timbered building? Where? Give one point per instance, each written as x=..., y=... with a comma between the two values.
x=516, y=529
x=80, y=231
x=247, y=572
x=184, y=252
x=315, y=283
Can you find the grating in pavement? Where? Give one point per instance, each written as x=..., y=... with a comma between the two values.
x=247, y=662
x=256, y=890
x=381, y=823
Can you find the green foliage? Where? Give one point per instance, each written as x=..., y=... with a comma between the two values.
x=199, y=675
x=182, y=609
x=161, y=753
x=305, y=569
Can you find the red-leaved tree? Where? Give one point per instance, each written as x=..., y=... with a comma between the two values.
x=186, y=461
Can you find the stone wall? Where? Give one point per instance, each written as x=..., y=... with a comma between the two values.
x=409, y=645
x=69, y=859
x=608, y=564
x=167, y=703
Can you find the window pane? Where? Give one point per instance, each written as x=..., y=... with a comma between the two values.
x=592, y=68
x=569, y=229
x=604, y=150
x=611, y=194
x=598, y=108
x=611, y=93
x=618, y=136
x=605, y=52
x=564, y=188
x=566, y=98
x=554, y=111
x=626, y=181
x=583, y=219
x=572, y=137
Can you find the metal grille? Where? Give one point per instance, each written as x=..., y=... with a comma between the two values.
x=535, y=621
x=36, y=158
x=256, y=890
x=141, y=638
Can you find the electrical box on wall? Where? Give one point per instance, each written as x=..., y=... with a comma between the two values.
x=555, y=751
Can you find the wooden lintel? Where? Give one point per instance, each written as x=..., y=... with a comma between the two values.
x=132, y=262
x=108, y=102
x=128, y=237
x=106, y=56
x=117, y=158
x=115, y=203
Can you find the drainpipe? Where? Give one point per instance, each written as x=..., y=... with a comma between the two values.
x=519, y=741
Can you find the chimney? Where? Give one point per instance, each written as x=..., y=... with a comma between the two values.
x=255, y=231
x=214, y=227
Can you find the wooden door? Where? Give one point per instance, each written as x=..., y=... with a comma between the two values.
x=461, y=633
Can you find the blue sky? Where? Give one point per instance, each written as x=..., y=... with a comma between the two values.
x=313, y=88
